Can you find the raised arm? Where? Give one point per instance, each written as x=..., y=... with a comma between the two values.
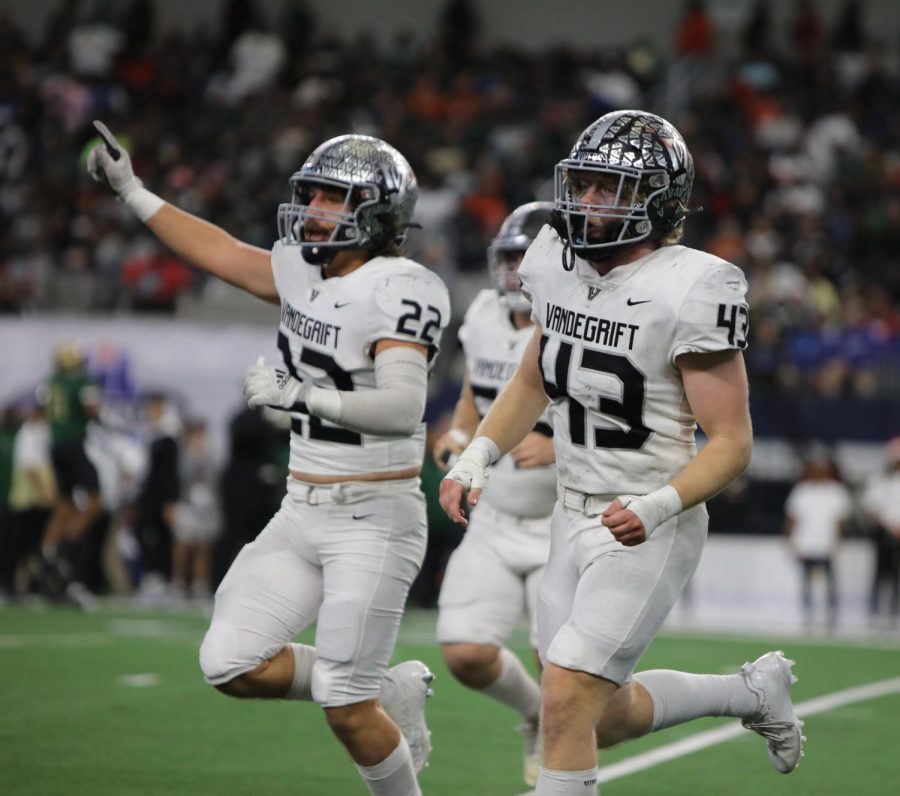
x=196, y=241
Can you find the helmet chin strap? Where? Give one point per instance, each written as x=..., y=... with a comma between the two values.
x=601, y=254
x=606, y=254
x=317, y=255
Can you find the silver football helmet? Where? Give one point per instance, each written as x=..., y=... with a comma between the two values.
x=380, y=193
x=505, y=252
x=641, y=160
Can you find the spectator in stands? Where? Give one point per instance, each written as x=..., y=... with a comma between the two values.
x=72, y=400
x=196, y=518
x=9, y=426
x=153, y=280
x=805, y=30
x=696, y=32
x=816, y=513
x=32, y=495
x=251, y=485
x=158, y=496
x=881, y=503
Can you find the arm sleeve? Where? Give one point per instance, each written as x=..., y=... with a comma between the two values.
x=393, y=409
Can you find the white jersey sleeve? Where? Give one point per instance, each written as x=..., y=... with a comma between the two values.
x=714, y=315
x=470, y=329
x=411, y=305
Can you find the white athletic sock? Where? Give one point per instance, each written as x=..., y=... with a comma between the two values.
x=567, y=783
x=515, y=686
x=679, y=697
x=393, y=776
x=301, y=685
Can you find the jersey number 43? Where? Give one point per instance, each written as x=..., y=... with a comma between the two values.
x=629, y=410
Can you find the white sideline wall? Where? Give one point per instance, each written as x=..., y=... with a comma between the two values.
x=202, y=364
x=747, y=583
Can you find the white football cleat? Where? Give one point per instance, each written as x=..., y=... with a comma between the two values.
x=770, y=677
x=533, y=750
x=403, y=693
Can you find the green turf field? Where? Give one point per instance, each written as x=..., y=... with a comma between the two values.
x=112, y=704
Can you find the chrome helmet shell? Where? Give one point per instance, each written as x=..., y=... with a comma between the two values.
x=648, y=168
x=505, y=251
x=380, y=193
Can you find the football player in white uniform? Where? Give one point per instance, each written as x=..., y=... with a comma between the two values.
x=360, y=327
x=637, y=340
x=496, y=570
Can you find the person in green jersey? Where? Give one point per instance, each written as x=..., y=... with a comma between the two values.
x=72, y=400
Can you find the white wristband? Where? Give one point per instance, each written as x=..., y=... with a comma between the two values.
x=143, y=203
x=654, y=509
x=459, y=436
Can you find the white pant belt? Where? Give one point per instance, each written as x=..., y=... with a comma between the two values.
x=589, y=505
x=345, y=491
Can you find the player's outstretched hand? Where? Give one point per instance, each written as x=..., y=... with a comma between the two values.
x=456, y=500
x=623, y=524
x=109, y=162
x=461, y=487
x=265, y=385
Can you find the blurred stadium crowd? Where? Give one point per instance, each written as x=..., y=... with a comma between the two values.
x=795, y=132
x=798, y=153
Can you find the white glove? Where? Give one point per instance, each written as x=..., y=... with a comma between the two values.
x=110, y=163
x=470, y=470
x=266, y=386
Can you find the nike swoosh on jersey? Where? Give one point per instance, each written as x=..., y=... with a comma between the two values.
x=339, y=304
x=632, y=303
x=363, y=516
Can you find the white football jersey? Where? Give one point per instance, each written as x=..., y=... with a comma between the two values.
x=493, y=348
x=621, y=421
x=327, y=334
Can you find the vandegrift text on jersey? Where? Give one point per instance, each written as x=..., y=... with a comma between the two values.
x=309, y=328
x=590, y=328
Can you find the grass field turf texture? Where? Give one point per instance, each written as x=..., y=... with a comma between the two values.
x=112, y=704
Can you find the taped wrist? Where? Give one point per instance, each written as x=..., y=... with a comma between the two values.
x=655, y=508
x=471, y=467
x=393, y=409
x=482, y=450
x=143, y=203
